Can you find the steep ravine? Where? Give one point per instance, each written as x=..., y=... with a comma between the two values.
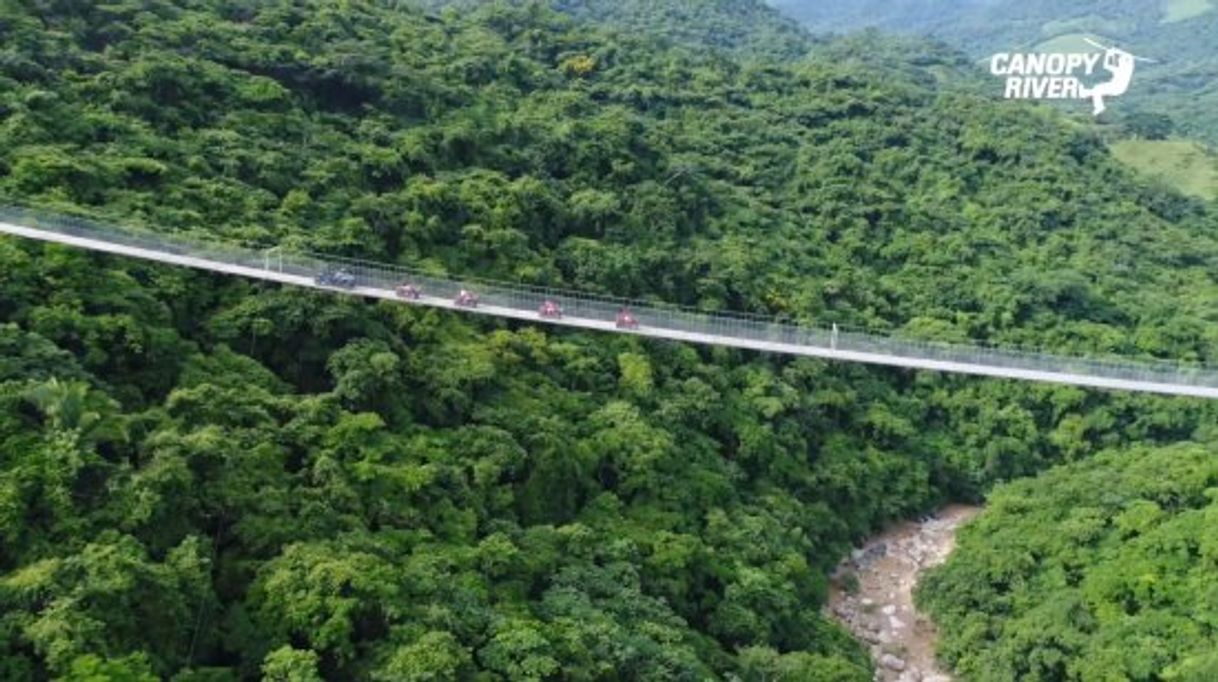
x=872, y=594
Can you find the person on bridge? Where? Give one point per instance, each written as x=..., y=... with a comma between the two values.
x=407, y=291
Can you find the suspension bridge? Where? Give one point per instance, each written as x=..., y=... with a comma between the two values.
x=601, y=313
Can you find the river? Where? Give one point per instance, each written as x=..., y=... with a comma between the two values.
x=881, y=613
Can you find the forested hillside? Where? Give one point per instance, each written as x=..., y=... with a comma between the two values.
x=1181, y=83
x=1103, y=570
x=204, y=479
x=746, y=29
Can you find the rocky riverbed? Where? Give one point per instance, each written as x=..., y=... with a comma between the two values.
x=880, y=612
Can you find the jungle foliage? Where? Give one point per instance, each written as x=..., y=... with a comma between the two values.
x=1101, y=570
x=206, y=479
x=746, y=29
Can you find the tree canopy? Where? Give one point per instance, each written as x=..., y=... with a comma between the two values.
x=1100, y=570
x=210, y=479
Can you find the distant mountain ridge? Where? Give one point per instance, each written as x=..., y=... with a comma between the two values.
x=1177, y=34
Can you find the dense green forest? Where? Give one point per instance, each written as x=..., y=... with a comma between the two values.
x=1179, y=86
x=747, y=29
x=205, y=479
x=1101, y=570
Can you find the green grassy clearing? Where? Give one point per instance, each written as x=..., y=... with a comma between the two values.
x=1179, y=10
x=1184, y=164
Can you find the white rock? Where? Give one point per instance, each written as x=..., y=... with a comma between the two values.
x=892, y=662
x=889, y=609
x=895, y=623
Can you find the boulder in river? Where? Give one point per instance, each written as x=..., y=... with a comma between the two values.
x=892, y=662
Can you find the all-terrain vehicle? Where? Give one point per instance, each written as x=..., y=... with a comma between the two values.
x=625, y=320
x=550, y=310
x=340, y=278
x=466, y=299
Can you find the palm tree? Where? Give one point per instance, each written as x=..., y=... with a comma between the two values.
x=73, y=406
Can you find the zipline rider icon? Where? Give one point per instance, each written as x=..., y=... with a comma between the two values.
x=1121, y=65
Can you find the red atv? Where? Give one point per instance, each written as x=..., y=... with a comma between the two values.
x=550, y=310
x=625, y=320
x=466, y=299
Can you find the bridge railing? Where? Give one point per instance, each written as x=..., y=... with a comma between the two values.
x=649, y=314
